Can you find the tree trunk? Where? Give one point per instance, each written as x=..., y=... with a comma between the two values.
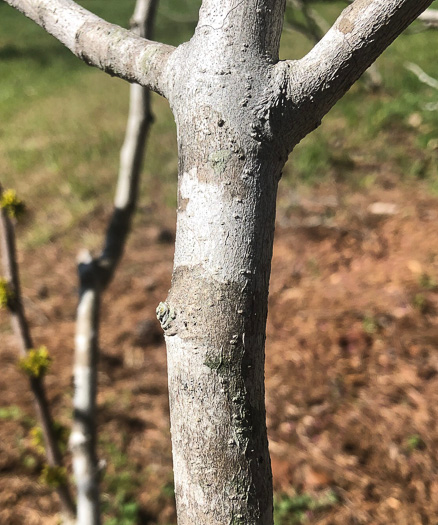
x=215, y=315
x=214, y=320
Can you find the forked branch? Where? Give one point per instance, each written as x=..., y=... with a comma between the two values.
x=106, y=46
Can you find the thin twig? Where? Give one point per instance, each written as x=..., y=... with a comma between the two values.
x=21, y=330
x=422, y=75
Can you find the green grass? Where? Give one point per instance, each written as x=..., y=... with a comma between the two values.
x=63, y=122
x=11, y=412
x=302, y=508
x=120, y=482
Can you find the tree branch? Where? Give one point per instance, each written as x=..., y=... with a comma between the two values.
x=94, y=276
x=315, y=28
x=106, y=46
x=317, y=81
x=422, y=76
x=83, y=438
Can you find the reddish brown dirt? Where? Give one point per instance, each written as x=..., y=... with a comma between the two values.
x=352, y=361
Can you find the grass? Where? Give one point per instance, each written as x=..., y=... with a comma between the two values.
x=120, y=482
x=63, y=122
x=375, y=128
x=11, y=412
x=301, y=508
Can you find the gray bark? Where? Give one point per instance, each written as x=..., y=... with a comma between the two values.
x=242, y=113
x=239, y=113
x=115, y=50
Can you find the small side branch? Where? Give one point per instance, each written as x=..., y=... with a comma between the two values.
x=21, y=330
x=361, y=33
x=106, y=46
x=94, y=276
x=422, y=75
x=315, y=28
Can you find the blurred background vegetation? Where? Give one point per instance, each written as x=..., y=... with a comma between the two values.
x=62, y=123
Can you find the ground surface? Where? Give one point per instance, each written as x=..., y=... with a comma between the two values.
x=352, y=362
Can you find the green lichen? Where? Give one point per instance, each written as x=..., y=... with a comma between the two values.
x=219, y=160
x=148, y=55
x=53, y=476
x=12, y=205
x=36, y=363
x=213, y=362
x=221, y=364
x=6, y=294
x=237, y=519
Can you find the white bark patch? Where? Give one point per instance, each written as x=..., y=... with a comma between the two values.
x=84, y=330
x=206, y=230
x=82, y=375
x=76, y=439
x=80, y=468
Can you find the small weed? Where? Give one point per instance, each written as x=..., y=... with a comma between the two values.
x=369, y=324
x=14, y=413
x=298, y=509
x=120, y=481
x=127, y=514
x=427, y=282
x=414, y=442
x=420, y=303
x=29, y=462
x=11, y=413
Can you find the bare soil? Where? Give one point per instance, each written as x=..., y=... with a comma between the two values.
x=351, y=360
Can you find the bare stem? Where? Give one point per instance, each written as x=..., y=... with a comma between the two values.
x=94, y=276
x=21, y=330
